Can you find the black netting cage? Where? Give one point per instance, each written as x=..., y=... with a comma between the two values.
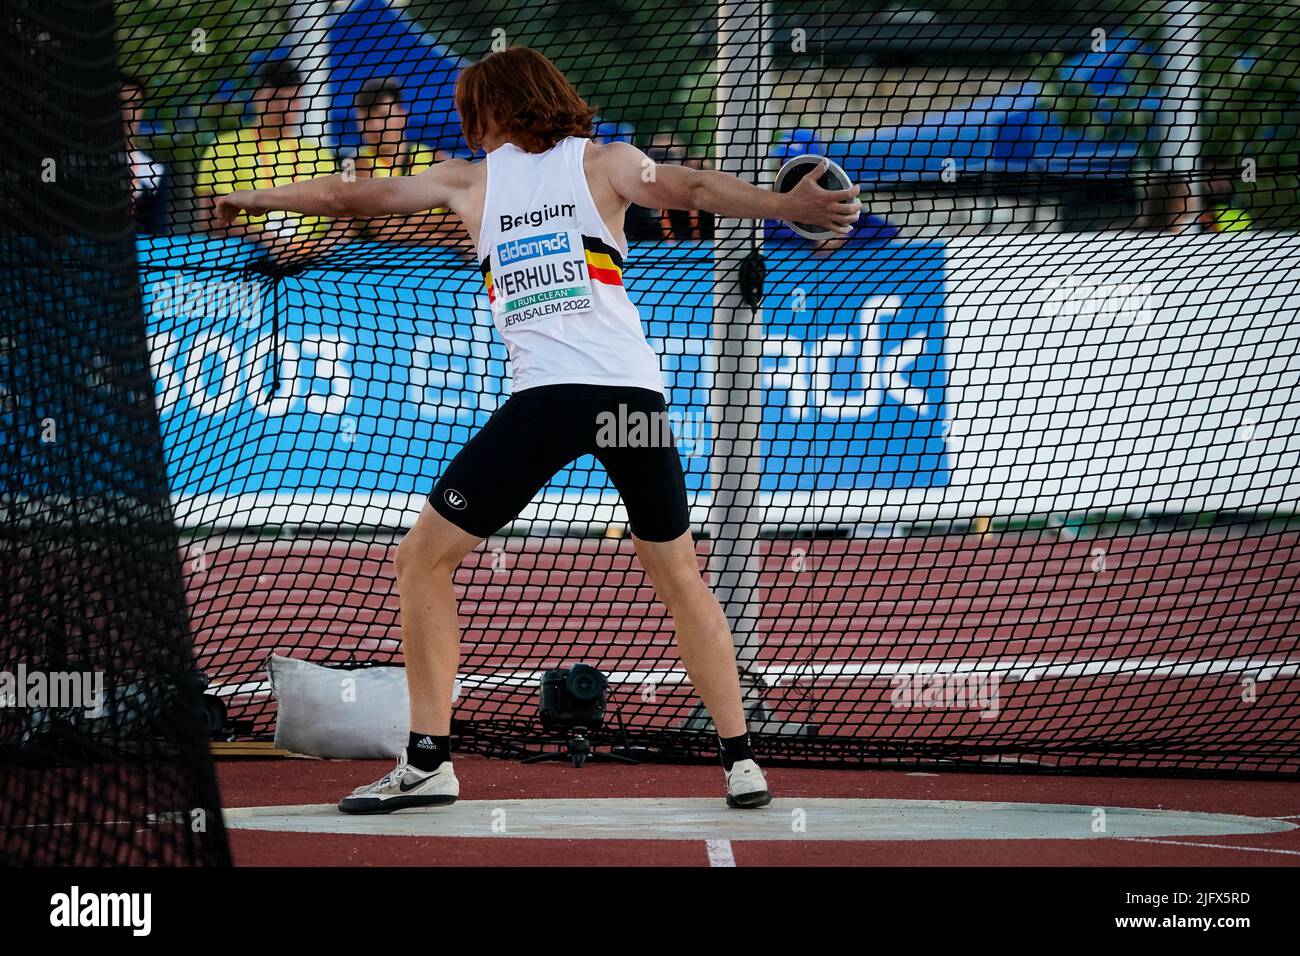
x=1002, y=477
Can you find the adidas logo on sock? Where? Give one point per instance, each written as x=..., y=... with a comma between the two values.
x=425, y=743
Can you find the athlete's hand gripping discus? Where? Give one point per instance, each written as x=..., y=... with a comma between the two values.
x=832, y=178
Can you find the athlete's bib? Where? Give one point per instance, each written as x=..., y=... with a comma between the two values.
x=539, y=275
x=545, y=253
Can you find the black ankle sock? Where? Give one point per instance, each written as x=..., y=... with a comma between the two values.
x=427, y=752
x=735, y=748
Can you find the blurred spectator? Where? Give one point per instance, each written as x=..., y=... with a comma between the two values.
x=264, y=154
x=1170, y=205
x=1219, y=214
x=150, y=184
x=383, y=117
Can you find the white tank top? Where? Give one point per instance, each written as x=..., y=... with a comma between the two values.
x=554, y=275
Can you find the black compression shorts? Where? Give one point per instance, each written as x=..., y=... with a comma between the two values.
x=539, y=431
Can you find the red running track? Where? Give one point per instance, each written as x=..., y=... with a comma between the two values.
x=1102, y=644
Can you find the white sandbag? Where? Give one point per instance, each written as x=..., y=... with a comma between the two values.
x=344, y=713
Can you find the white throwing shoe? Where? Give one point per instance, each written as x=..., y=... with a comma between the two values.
x=746, y=786
x=404, y=786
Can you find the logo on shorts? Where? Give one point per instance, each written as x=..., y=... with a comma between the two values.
x=454, y=499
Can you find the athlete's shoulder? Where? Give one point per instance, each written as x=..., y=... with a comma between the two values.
x=456, y=172
x=614, y=153
x=615, y=162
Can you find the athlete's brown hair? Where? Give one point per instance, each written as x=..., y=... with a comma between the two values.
x=532, y=102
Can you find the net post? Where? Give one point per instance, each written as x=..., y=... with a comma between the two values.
x=109, y=765
x=736, y=345
x=309, y=23
x=1180, y=48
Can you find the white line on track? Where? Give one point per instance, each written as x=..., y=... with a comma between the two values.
x=1016, y=670
x=1213, y=846
x=720, y=853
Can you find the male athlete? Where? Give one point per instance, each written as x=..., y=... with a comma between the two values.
x=545, y=210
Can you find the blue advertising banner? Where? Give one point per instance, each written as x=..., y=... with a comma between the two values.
x=367, y=381
x=853, y=368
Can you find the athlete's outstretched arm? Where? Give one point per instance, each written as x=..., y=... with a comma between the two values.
x=660, y=186
x=338, y=198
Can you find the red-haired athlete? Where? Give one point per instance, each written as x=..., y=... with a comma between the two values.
x=545, y=210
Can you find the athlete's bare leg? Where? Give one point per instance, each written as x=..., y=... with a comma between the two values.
x=426, y=560
x=703, y=636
